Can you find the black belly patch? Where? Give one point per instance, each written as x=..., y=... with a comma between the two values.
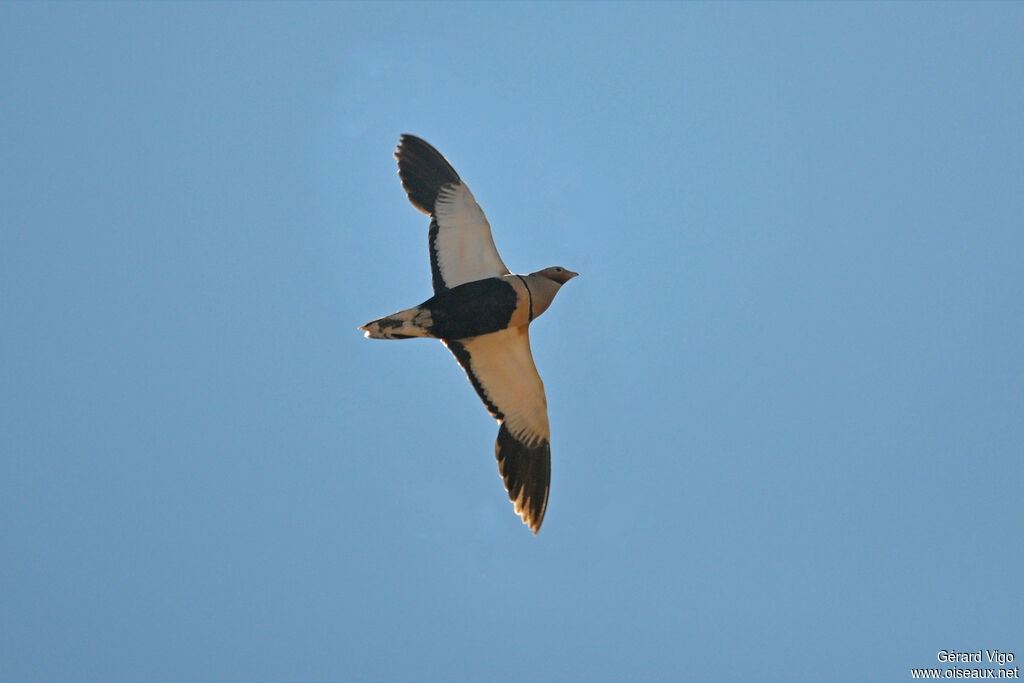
x=472, y=309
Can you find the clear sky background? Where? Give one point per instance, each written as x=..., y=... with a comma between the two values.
x=786, y=393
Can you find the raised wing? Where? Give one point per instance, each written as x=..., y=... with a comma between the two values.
x=461, y=247
x=501, y=369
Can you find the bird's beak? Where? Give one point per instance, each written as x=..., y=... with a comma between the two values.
x=572, y=274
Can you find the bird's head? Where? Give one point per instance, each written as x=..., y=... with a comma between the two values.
x=557, y=273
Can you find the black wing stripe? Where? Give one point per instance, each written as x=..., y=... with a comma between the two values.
x=423, y=172
x=527, y=475
x=436, y=278
x=465, y=360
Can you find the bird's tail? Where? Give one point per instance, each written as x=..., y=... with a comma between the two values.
x=412, y=322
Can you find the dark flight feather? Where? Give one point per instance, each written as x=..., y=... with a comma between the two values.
x=527, y=475
x=423, y=172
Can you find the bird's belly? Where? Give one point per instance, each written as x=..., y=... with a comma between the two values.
x=477, y=308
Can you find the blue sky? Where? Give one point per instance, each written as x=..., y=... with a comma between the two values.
x=786, y=393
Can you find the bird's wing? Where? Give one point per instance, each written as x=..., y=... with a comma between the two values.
x=501, y=369
x=461, y=247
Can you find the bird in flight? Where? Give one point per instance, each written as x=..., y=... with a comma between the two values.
x=482, y=312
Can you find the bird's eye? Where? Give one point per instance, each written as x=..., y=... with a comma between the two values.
x=558, y=270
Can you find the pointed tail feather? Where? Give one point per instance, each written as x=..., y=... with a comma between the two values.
x=412, y=322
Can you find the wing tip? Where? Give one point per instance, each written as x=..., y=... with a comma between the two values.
x=526, y=472
x=423, y=171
